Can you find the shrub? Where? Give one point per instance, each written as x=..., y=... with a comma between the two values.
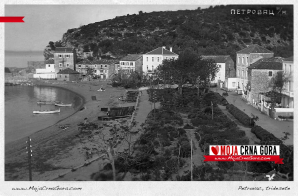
x=240, y=115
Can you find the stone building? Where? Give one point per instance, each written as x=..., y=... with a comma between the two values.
x=245, y=58
x=259, y=75
x=68, y=75
x=64, y=58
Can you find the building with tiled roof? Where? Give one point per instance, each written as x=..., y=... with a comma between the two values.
x=244, y=59
x=64, y=58
x=131, y=63
x=260, y=74
x=154, y=58
x=226, y=76
x=103, y=68
x=273, y=63
x=68, y=75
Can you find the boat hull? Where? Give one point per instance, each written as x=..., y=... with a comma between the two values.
x=63, y=105
x=46, y=112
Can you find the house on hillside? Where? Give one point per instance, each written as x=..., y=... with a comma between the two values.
x=154, y=58
x=103, y=68
x=64, y=58
x=226, y=76
x=131, y=63
x=260, y=73
x=245, y=58
x=68, y=75
x=47, y=72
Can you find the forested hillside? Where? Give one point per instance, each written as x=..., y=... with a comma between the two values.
x=206, y=31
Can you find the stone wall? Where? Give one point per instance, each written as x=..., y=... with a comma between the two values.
x=260, y=82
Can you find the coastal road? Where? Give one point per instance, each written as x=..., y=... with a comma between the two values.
x=273, y=126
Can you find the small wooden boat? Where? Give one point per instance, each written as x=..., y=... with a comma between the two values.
x=45, y=102
x=63, y=104
x=46, y=111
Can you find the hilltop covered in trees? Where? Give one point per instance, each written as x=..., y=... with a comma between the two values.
x=206, y=31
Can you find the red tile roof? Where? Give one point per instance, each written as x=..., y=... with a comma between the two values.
x=274, y=63
x=68, y=71
x=217, y=58
x=161, y=51
x=255, y=48
x=63, y=50
x=132, y=57
x=101, y=61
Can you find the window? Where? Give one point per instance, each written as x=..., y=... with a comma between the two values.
x=152, y=59
x=100, y=66
x=49, y=65
x=60, y=75
x=60, y=55
x=233, y=84
x=60, y=69
x=157, y=59
x=242, y=74
x=67, y=64
x=65, y=76
x=147, y=67
x=270, y=73
x=60, y=64
x=147, y=59
x=290, y=69
x=105, y=65
x=238, y=60
x=247, y=60
x=238, y=73
x=67, y=56
x=131, y=63
x=79, y=65
x=243, y=60
x=219, y=66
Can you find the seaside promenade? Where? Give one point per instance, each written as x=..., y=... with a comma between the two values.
x=273, y=126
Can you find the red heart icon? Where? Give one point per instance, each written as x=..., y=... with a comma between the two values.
x=215, y=150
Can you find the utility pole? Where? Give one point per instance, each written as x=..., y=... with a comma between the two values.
x=191, y=176
x=212, y=109
x=29, y=151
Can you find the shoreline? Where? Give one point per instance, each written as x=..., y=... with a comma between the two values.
x=83, y=101
x=54, y=145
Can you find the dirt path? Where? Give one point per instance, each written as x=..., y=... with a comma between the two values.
x=252, y=137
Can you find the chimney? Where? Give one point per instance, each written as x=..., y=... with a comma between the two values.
x=171, y=48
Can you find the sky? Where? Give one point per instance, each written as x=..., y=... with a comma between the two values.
x=45, y=23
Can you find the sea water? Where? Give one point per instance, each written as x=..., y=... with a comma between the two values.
x=21, y=101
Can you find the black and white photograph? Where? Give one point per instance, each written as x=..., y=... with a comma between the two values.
x=148, y=92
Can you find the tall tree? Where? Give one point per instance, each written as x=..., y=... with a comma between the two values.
x=277, y=85
x=188, y=67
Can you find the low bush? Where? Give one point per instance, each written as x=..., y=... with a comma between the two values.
x=240, y=115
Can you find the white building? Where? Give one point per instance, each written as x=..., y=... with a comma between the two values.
x=131, y=63
x=48, y=72
x=288, y=92
x=154, y=58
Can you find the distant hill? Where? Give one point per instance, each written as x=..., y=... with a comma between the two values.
x=206, y=31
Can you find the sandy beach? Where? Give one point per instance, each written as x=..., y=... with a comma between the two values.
x=56, y=151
